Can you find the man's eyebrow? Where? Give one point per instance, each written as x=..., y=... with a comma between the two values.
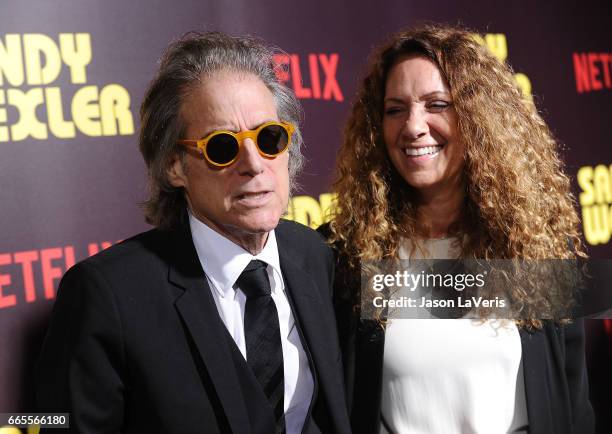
x=212, y=130
x=209, y=132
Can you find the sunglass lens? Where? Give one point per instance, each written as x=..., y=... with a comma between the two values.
x=272, y=140
x=222, y=148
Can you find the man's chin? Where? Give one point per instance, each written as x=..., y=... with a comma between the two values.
x=257, y=224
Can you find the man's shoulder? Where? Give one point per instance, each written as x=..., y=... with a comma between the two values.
x=298, y=235
x=325, y=231
x=303, y=245
x=127, y=273
x=135, y=253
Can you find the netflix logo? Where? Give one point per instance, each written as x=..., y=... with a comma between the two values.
x=29, y=276
x=312, y=76
x=592, y=71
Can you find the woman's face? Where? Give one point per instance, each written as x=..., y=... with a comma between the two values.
x=420, y=128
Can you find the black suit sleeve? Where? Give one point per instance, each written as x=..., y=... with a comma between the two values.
x=330, y=270
x=80, y=365
x=575, y=369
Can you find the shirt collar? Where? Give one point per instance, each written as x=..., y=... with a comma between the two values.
x=223, y=261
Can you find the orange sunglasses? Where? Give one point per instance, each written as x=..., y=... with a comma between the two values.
x=220, y=148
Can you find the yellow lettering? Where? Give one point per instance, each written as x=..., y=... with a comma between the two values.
x=55, y=113
x=585, y=181
x=595, y=220
x=36, y=59
x=4, y=132
x=524, y=84
x=327, y=202
x=28, y=124
x=115, y=109
x=289, y=213
x=76, y=53
x=497, y=44
x=307, y=211
x=479, y=39
x=603, y=194
x=11, y=61
x=9, y=430
x=35, y=45
x=86, y=111
x=310, y=212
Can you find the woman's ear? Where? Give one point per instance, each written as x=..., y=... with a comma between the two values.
x=176, y=172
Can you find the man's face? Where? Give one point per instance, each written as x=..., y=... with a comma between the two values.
x=249, y=196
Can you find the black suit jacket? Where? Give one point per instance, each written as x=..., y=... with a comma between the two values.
x=556, y=385
x=136, y=345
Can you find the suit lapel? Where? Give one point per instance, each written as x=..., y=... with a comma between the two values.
x=536, y=383
x=367, y=377
x=307, y=303
x=315, y=320
x=199, y=313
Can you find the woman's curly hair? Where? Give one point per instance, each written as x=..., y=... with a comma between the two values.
x=518, y=203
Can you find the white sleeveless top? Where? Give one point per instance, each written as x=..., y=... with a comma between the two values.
x=451, y=375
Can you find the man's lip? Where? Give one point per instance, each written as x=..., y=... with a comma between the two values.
x=245, y=194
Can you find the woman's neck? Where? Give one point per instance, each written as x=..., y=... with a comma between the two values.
x=436, y=213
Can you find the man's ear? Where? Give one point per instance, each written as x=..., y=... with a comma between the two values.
x=176, y=172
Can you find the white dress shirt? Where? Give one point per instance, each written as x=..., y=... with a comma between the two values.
x=223, y=261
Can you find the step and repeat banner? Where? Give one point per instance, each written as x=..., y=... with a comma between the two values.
x=73, y=74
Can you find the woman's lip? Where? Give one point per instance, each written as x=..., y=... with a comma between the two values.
x=425, y=157
x=408, y=150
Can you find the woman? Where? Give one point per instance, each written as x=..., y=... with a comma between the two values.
x=443, y=158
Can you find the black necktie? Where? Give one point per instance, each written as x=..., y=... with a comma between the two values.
x=262, y=336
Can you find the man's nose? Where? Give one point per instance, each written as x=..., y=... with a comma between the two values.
x=250, y=161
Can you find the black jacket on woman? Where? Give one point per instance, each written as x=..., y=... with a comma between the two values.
x=556, y=384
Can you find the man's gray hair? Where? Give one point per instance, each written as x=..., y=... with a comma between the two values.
x=186, y=62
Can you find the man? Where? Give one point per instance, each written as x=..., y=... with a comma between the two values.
x=220, y=319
